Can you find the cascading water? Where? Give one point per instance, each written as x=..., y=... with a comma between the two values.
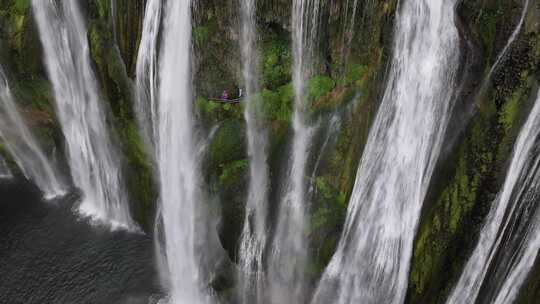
x=372, y=259
x=289, y=251
x=254, y=234
x=146, y=108
x=510, y=239
x=23, y=147
x=177, y=159
x=5, y=173
x=93, y=158
x=146, y=101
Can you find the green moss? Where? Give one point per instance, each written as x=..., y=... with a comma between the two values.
x=205, y=106
x=319, y=86
x=139, y=174
x=201, y=34
x=214, y=112
x=277, y=105
x=355, y=73
x=325, y=222
x=510, y=111
x=231, y=172
x=227, y=145
x=488, y=26
x=277, y=61
x=21, y=6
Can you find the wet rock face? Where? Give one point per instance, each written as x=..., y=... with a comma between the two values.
x=472, y=172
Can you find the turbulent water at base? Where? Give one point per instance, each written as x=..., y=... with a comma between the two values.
x=23, y=147
x=146, y=101
x=254, y=233
x=288, y=258
x=371, y=263
x=177, y=159
x=92, y=155
x=510, y=239
x=5, y=173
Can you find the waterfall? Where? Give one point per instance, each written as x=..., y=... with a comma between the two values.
x=146, y=109
x=254, y=233
x=289, y=251
x=178, y=159
x=146, y=70
x=23, y=147
x=371, y=262
x=5, y=173
x=510, y=239
x=92, y=154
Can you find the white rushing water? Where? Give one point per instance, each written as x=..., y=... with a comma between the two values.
x=289, y=249
x=371, y=263
x=146, y=110
x=255, y=230
x=146, y=70
x=23, y=147
x=178, y=159
x=92, y=155
x=512, y=203
x=5, y=173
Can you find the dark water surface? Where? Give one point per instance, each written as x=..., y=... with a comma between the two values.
x=49, y=255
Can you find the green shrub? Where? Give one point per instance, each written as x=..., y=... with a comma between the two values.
x=201, y=34
x=354, y=73
x=276, y=64
x=232, y=171
x=277, y=105
x=319, y=86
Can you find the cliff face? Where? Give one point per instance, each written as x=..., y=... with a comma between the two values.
x=474, y=168
x=353, y=59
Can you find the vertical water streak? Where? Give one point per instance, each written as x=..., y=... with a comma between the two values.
x=146, y=71
x=510, y=41
x=23, y=147
x=254, y=233
x=289, y=251
x=332, y=129
x=113, y=18
x=349, y=22
x=510, y=239
x=525, y=257
x=92, y=155
x=371, y=262
x=177, y=158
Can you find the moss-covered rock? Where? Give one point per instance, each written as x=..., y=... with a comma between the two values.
x=473, y=173
x=227, y=170
x=117, y=88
